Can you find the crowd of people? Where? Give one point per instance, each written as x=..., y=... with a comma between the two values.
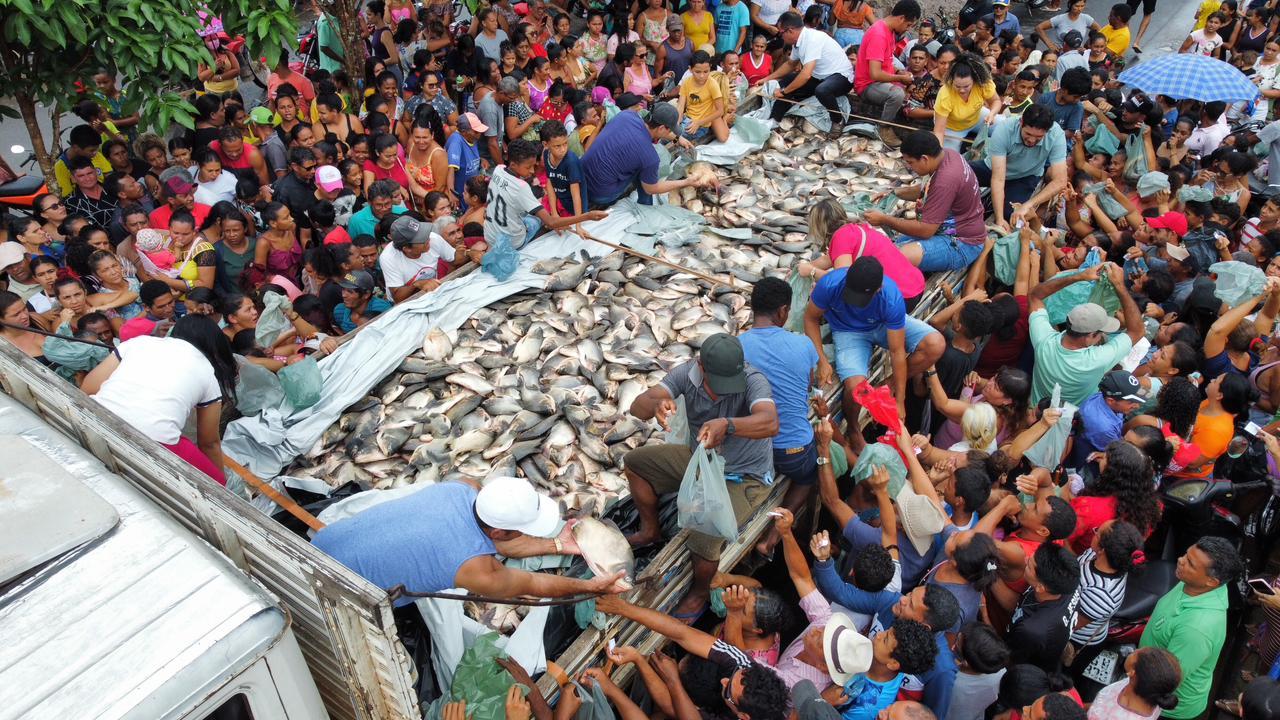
x=1113, y=332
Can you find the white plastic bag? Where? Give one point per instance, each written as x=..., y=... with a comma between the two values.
x=703, y=501
x=678, y=425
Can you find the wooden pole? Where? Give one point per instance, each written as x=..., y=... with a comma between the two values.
x=660, y=261
x=278, y=498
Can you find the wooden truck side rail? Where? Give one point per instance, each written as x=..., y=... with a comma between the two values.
x=343, y=624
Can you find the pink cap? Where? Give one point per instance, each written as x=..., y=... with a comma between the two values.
x=137, y=327
x=471, y=121
x=290, y=290
x=328, y=178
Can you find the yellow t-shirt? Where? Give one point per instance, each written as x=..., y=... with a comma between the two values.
x=699, y=100
x=1117, y=40
x=62, y=173
x=1207, y=8
x=961, y=114
x=698, y=32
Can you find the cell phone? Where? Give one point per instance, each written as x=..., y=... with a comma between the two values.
x=1261, y=586
x=1252, y=428
x=613, y=645
x=1140, y=265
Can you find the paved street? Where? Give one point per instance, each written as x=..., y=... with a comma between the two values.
x=1168, y=29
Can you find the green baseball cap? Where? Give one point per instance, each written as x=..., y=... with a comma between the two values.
x=262, y=116
x=723, y=363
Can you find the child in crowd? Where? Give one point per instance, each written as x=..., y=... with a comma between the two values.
x=702, y=103
x=563, y=168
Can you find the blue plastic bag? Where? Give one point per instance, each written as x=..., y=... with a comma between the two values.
x=501, y=259
x=302, y=383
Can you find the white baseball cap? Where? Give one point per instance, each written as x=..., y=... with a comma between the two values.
x=847, y=651
x=509, y=503
x=11, y=253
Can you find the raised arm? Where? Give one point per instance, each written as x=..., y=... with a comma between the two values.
x=694, y=641
x=977, y=275
x=827, y=490
x=1048, y=287
x=1215, y=341
x=797, y=565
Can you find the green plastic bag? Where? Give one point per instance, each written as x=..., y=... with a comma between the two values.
x=1135, y=163
x=703, y=502
x=1113, y=209
x=800, y=289
x=302, y=383
x=272, y=321
x=877, y=454
x=1005, y=257
x=1103, y=141
x=1104, y=294
x=257, y=388
x=481, y=681
x=1235, y=282
x=72, y=357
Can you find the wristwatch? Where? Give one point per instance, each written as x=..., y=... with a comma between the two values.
x=730, y=428
x=823, y=461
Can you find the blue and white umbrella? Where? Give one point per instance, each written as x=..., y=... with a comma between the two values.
x=1183, y=76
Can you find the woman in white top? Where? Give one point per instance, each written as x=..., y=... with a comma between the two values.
x=1205, y=41
x=1152, y=675
x=213, y=184
x=154, y=383
x=1266, y=74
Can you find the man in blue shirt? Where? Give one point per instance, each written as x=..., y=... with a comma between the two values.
x=382, y=201
x=1000, y=19
x=358, y=305
x=463, y=154
x=865, y=310
x=1103, y=413
x=623, y=158
x=446, y=535
x=1017, y=152
x=1064, y=102
x=788, y=361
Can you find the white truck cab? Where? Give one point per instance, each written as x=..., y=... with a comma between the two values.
x=111, y=609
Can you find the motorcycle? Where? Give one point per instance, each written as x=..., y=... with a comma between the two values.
x=19, y=191
x=1237, y=502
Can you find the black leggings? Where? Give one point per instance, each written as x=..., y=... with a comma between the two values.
x=1148, y=6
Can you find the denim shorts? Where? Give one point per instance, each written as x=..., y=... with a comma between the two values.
x=848, y=36
x=853, y=349
x=943, y=252
x=801, y=467
x=697, y=134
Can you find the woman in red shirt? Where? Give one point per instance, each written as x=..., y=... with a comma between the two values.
x=1125, y=490
x=385, y=163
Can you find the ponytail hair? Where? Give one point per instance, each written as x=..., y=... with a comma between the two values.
x=1156, y=677
x=1122, y=544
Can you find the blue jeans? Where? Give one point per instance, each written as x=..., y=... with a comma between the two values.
x=943, y=252
x=642, y=197
x=695, y=135
x=801, y=467
x=848, y=36
x=1016, y=190
x=853, y=349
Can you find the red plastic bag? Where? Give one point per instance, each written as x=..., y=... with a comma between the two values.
x=879, y=401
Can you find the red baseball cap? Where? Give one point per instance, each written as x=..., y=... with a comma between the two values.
x=1175, y=221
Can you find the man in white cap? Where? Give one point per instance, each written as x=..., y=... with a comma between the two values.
x=14, y=266
x=446, y=535
x=409, y=262
x=1078, y=357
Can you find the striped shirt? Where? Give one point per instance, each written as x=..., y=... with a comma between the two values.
x=1100, y=597
x=1252, y=231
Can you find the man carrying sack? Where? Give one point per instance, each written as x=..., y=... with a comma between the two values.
x=730, y=408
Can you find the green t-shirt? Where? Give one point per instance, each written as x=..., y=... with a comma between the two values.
x=327, y=37
x=231, y=264
x=1193, y=629
x=1077, y=371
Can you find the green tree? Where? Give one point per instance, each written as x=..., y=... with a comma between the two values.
x=48, y=46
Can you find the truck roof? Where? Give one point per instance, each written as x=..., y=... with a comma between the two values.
x=109, y=608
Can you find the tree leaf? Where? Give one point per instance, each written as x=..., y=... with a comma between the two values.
x=21, y=30
x=25, y=7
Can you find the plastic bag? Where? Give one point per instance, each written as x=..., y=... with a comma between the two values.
x=678, y=425
x=481, y=681
x=1103, y=141
x=595, y=706
x=501, y=259
x=302, y=383
x=751, y=130
x=272, y=321
x=257, y=388
x=800, y=289
x=1047, y=452
x=977, y=149
x=703, y=501
x=1113, y=209
x=1135, y=164
x=1005, y=257
x=1235, y=281
x=1104, y=294
x=878, y=454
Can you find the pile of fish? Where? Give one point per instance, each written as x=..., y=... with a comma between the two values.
x=539, y=384
x=772, y=191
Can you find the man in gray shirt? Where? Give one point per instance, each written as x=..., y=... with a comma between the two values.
x=492, y=114
x=730, y=409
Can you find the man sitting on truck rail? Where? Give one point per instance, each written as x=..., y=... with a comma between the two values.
x=445, y=536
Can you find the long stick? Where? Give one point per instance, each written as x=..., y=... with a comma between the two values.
x=660, y=261
x=277, y=497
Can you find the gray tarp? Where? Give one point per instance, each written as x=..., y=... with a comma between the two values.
x=267, y=443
